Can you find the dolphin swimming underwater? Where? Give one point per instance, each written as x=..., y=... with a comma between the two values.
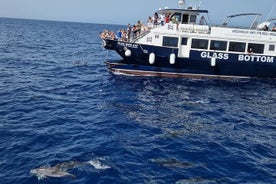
x=61, y=170
x=173, y=163
x=57, y=171
x=44, y=172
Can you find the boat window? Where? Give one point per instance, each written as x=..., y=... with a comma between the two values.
x=218, y=45
x=177, y=16
x=237, y=46
x=200, y=44
x=170, y=41
x=256, y=48
x=271, y=47
x=193, y=19
x=184, y=41
x=185, y=19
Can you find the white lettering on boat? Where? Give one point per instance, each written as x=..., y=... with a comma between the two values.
x=254, y=58
x=241, y=57
x=253, y=32
x=129, y=45
x=216, y=55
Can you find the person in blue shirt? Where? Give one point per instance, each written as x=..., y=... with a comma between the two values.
x=119, y=34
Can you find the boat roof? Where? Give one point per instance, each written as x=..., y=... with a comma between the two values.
x=254, y=23
x=244, y=14
x=188, y=11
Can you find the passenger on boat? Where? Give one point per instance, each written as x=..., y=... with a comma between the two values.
x=124, y=35
x=175, y=21
x=108, y=34
x=150, y=22
x=265, y=28
x=202, y=20
x=155, y=19
x=138, y=27
x=119, y=34
x=167, y=18
x=250, y=51
x=162, y=19
x=133, y=31
x=128, y=31
x=274, y=29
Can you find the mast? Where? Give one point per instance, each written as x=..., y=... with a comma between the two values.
x=181, y=4
x=271, y=11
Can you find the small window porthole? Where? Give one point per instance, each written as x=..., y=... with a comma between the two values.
x=200, y=44
x=271, y=47
x=170, y=41
x=237, y=46
x=184, y=41
x=256, y=48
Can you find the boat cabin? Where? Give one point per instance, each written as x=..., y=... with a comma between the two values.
x=184, y=16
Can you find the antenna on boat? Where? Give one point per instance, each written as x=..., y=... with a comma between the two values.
x=198, y=5
x=271, y=11
x=181, y=4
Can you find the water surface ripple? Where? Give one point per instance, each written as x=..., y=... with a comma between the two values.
x=59, y=103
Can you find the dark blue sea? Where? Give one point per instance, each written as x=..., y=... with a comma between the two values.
x=60, y=104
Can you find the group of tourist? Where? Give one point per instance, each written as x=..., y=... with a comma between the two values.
x=108, y=34
x=158, y=20
x=132, y=32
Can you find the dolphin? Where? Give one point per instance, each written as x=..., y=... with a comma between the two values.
x=199, y=180
x=44, y=172
x=61, y=169
x=70, y=165
x=57, y=171
x=173, y=163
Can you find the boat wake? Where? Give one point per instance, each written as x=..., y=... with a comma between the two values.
x=98, y=165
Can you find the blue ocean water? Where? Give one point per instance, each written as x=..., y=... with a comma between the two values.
x=59, y=103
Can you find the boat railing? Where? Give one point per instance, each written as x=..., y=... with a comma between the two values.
x=194, y=28
x=184, y=28
x=142, y=34
x=188, y=28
